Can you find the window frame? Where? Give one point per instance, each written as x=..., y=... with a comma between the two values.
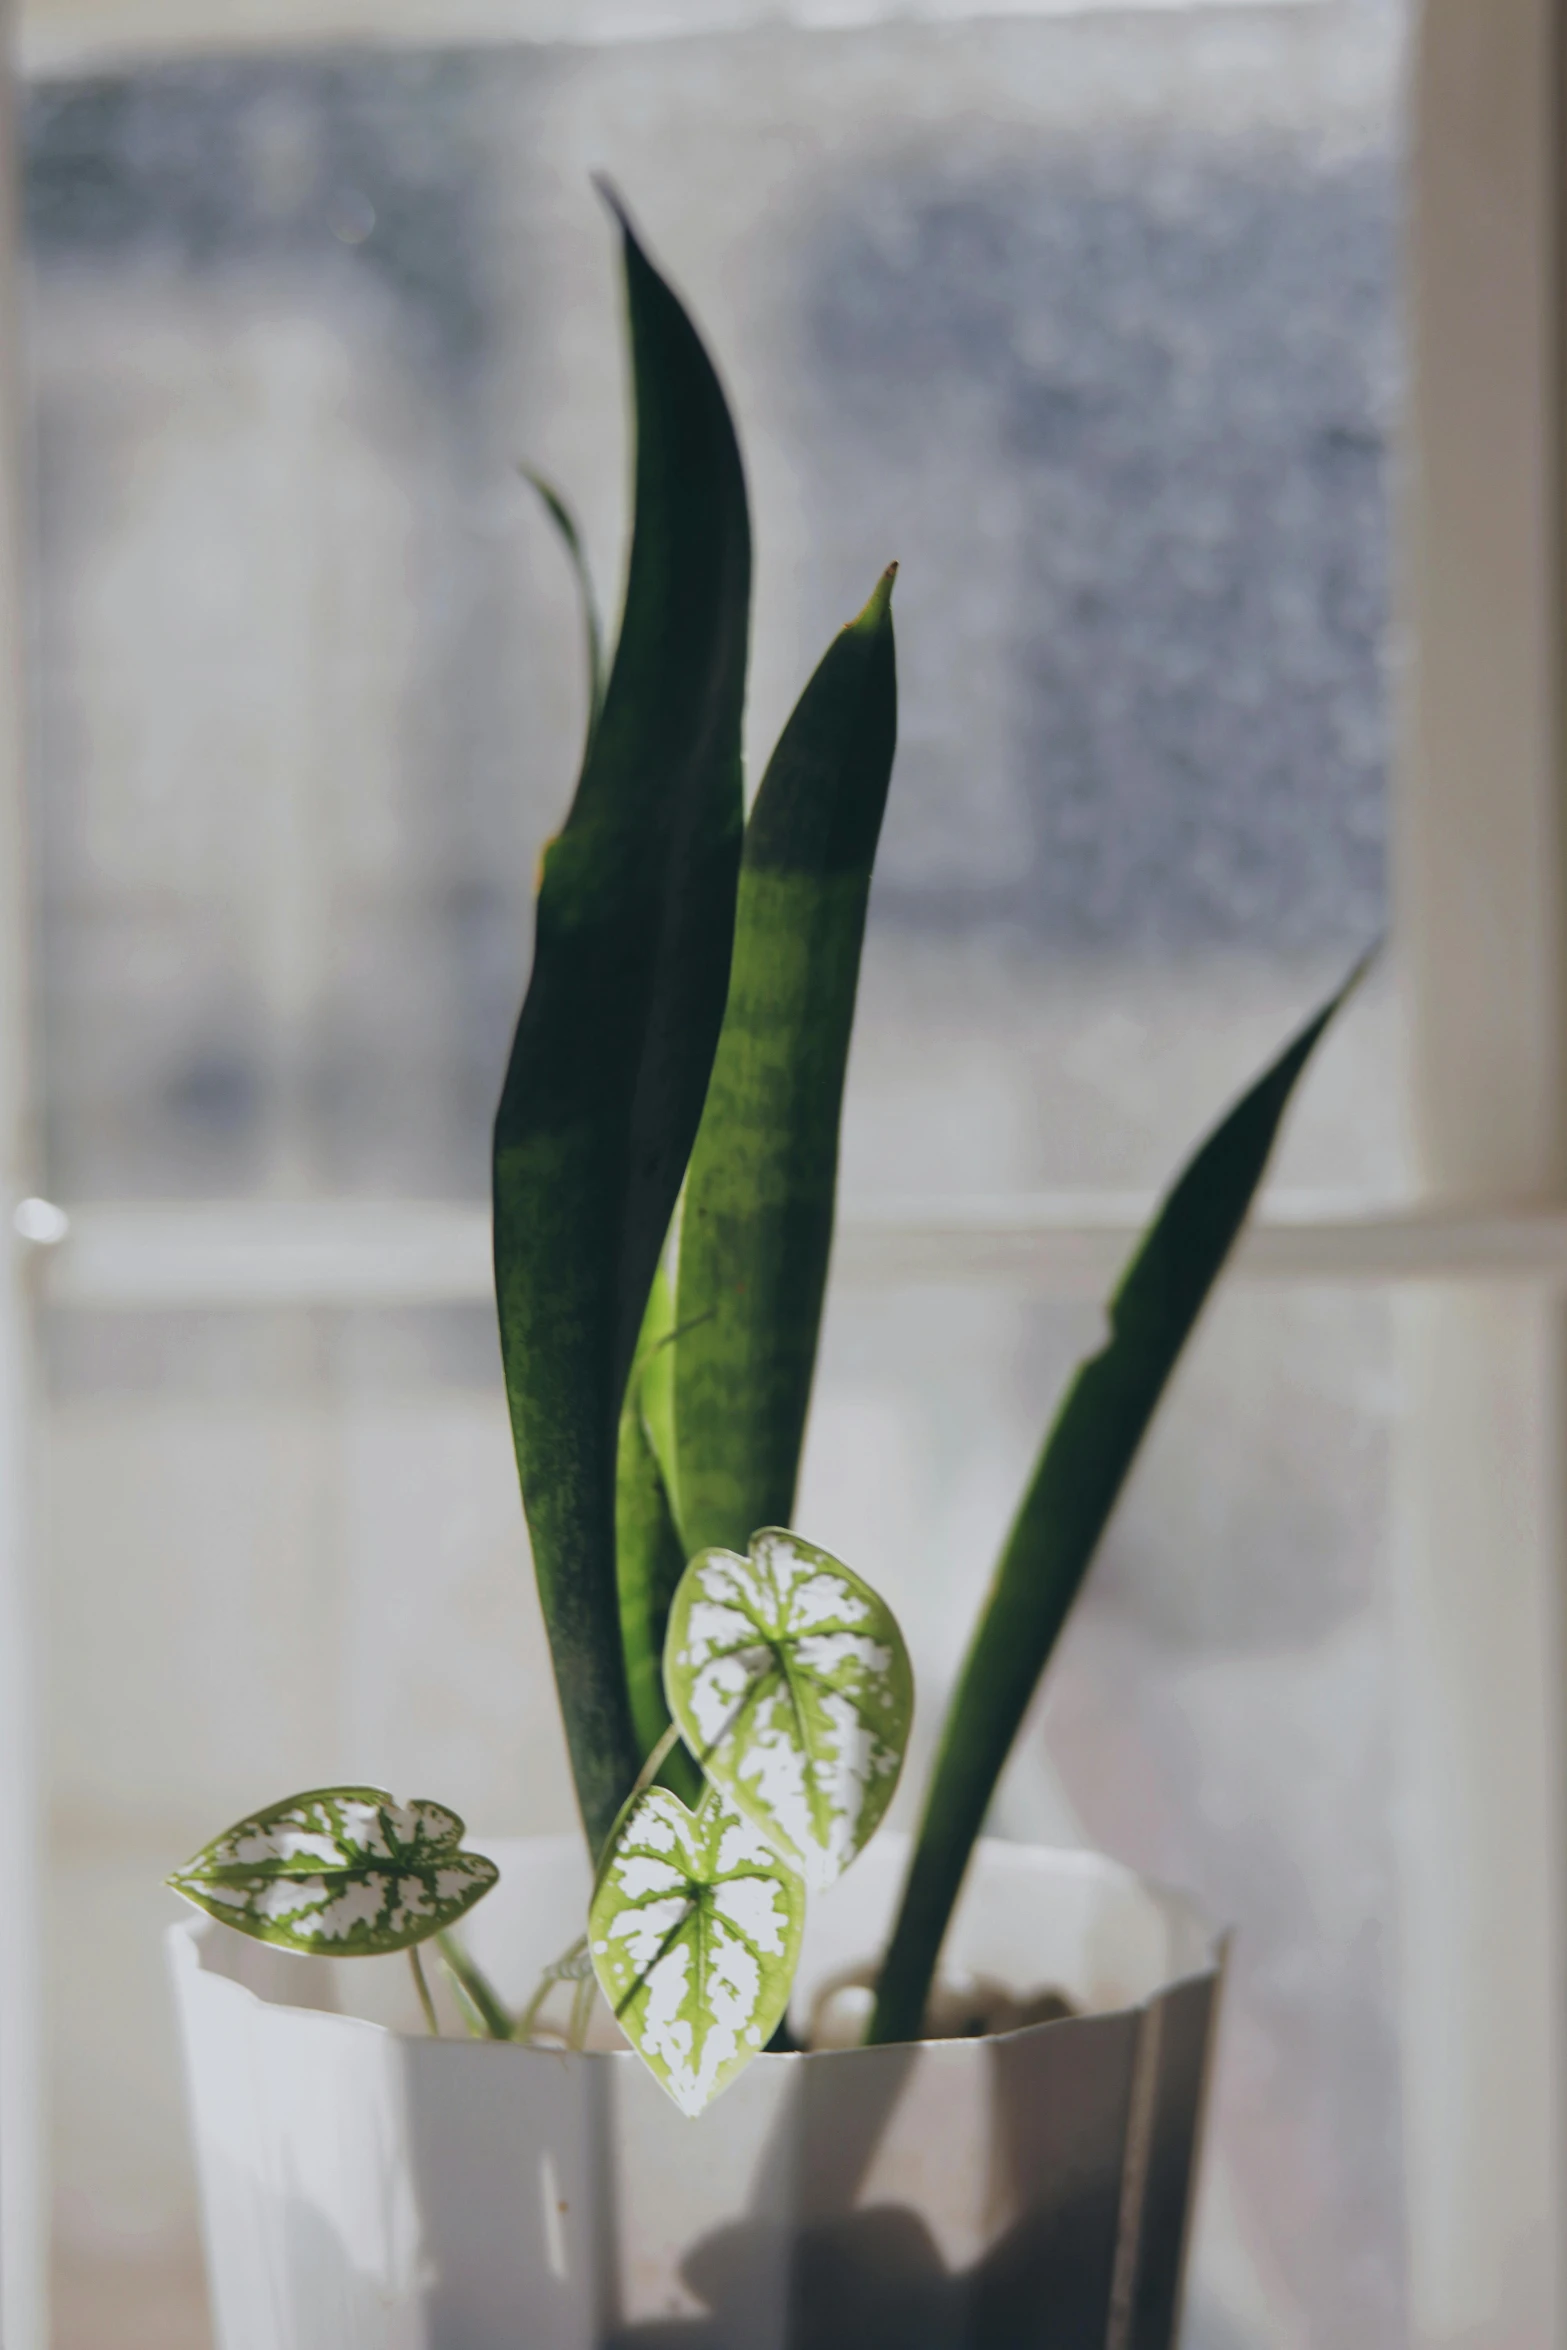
x=1478, y=1255
x=83, y=36
x=24, y=2198
x=1480, y=910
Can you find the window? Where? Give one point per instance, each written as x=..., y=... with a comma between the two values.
x=1093, y=318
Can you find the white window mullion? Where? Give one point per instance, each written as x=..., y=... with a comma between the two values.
x=1481, y=921
x=379, y=1252
x=75, y=36
x=23, y=2197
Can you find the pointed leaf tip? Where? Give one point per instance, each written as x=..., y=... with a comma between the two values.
x=878, y=604
x=570, y=535
x=610, y=196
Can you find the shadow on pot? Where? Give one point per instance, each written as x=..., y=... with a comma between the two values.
x=874, y=2278
x=1085, y=2208
x=1027, y=2191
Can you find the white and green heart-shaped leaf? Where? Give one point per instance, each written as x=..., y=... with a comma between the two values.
x=344, y=1871
x=791, y=1685
x=695, y=1929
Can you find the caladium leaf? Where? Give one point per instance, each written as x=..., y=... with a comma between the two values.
x=791, y=1685
x=342, y=1871
x=695, y=1930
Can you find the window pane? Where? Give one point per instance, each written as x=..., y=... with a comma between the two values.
x=1089, y=323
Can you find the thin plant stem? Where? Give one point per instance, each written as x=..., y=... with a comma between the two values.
x=564, y=1968
x=639, y=1786
x=654, y=1764
x=423, y=1989
x=581, y=2012
x=481, y=2000
x=559, y=1972
x=471, y=2017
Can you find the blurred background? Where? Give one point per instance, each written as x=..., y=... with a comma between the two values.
x=1093, y=323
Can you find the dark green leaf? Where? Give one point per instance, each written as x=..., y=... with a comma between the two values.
x=756, y=1226
x=571, y=538
x=1080, y=1473
x=611, y=1059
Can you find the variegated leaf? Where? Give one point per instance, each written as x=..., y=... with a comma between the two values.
x=791, y=1685
x=344, y=1871
x=695, y=1933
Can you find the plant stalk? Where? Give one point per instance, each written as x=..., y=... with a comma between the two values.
x=475, y=1991
x=423, y=1989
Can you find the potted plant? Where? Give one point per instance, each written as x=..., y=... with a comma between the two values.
x=701, y=2081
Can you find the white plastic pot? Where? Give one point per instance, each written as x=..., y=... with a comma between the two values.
x=365, y=2188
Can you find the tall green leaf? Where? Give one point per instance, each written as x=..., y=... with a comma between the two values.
x=649, y=1555
x=756, y=1226
x=614, y=1046
x=1087, y=1454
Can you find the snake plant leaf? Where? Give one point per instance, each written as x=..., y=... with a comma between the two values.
x=613, y=1049
x=1087, y=1455
x=756, y=1226
x=570, y=537
x=790, y=1683
x=650, y=1558
x=695, y=1929
x=343, y=1871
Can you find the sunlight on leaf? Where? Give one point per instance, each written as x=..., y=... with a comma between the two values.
x=791, y=1685
x=695, y=1933
x=756, y=1228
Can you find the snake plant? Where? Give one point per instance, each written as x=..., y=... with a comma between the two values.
x=736, y=1702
